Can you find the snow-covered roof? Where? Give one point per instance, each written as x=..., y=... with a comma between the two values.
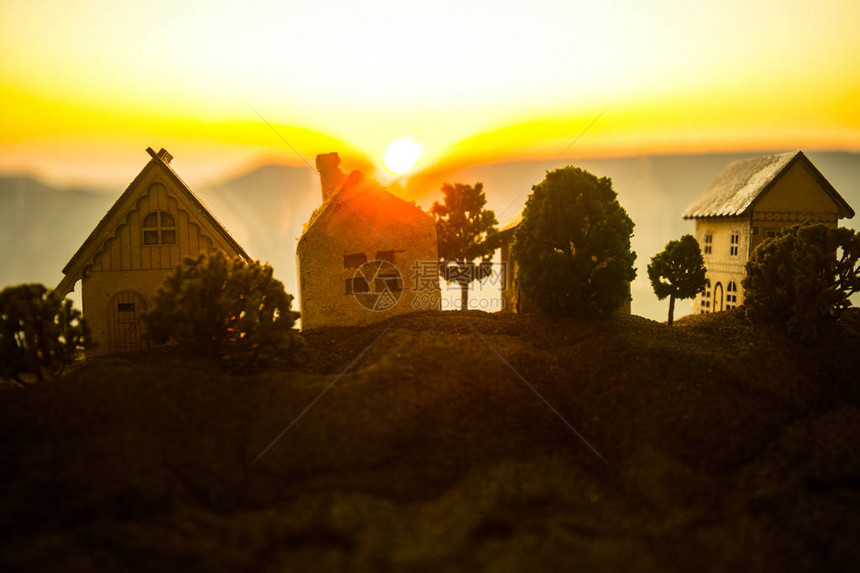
x=737, y=188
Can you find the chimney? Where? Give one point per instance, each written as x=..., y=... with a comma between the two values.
x=165, y=156
x=331, y=177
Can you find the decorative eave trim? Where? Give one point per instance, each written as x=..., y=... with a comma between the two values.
x=74, y=269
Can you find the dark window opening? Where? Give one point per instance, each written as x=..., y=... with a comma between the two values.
x=125, y=307
x=709, y=239
x=357, y=285
x=385, y=256
x=733, y=249
x=389, y=282
x=354, y=260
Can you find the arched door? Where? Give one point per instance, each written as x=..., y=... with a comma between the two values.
x=125, y=323
x=718, y=297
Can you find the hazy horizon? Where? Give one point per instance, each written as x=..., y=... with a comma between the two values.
x=220, y=84
x=265, y=207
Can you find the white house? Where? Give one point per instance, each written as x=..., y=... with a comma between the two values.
x=749, y=200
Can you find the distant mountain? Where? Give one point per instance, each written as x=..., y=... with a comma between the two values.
x=265, y=208
x=41, y=227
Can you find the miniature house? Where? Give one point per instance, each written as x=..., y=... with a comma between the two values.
x=750, y=200
x=365, y=254
x=145, y=235
x=513, y=299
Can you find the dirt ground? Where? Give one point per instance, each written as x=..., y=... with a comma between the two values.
x=449, y=442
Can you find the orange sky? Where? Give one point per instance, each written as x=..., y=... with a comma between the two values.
x=86, y=86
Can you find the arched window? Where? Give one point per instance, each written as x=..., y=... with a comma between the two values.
x=731, y=295
x=159, y=228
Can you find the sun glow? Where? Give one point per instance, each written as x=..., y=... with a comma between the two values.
x=338, y=75
x=402, y=154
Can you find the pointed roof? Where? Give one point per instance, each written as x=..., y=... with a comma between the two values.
x=742, y=183
x=512, y=225
x=74, y=268
x=368, y=200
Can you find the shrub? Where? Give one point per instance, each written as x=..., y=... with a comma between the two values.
x=573, y=245
x=224, y=309
x=803, y=275
x=40, y=333
x=678, y=271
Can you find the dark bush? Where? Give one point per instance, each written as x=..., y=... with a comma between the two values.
x=804, y=275
x=224, y=309
x=40, y=333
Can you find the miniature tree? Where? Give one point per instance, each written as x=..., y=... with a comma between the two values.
x=803, y=275
x=678, y=271
x=40, y=332
x=465, y=231
x=224, y=309
x=573, y=245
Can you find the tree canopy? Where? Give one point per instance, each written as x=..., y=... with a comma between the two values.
x=224, y=309
x=803, y=275
x=678, y=271
x=40, y=332
x=573, y=245
x=465, y=232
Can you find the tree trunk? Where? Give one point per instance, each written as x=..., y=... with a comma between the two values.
x=671, y=308
x=464, y=296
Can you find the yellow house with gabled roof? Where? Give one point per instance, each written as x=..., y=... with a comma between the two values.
x=750, y=200
x=145, y=235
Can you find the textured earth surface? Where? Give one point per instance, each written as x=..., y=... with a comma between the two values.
x=449, y=442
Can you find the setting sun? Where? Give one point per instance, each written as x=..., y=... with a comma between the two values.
x=401, y=155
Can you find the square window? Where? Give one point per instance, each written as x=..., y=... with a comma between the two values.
x=354, y=260
x=150, y=237
x=357, y=285
x=168, y=237
x=389, y=282
x=385, y=256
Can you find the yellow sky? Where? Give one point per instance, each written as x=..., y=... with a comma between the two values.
x=85, y=86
